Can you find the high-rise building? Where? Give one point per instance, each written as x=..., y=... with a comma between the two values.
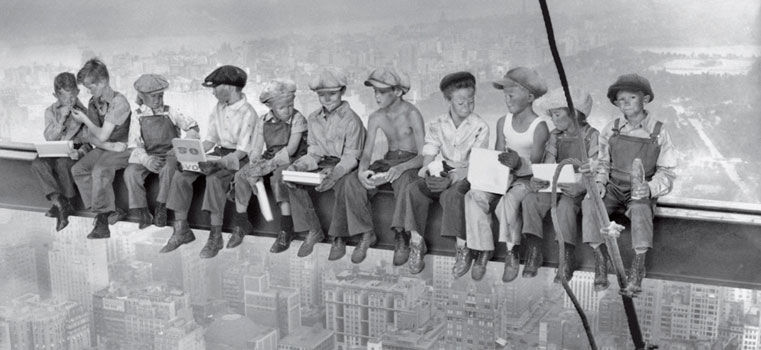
x=582, y=285
x=472, y=314
x=426, y=337
x=18, y=269
x=165, y=267
x=751, y=337
x=180, y=334
x=305, y=276
x=78, y=266
x=442, y=280
x=30, y=323
x=705, y=308
x=272, y=306
x=234, y=332
x=361, y=306
x=308, y=338
x=133, y=315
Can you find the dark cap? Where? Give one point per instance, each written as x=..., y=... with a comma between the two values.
x=525, y=77
x=455, y=78
x=226, y=75
x=630, y=82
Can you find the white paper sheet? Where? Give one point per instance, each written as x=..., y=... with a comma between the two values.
x=303, y=177
x=54, y=148
x=547, y=171
x=486, y=173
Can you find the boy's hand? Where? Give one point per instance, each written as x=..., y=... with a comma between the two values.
x=641, y=192
x=328, y=182
x=192, y=134
x=74, y=154
x=78, y=115
x=510, y=159
x=573, y=189
x=230, y=162
x=537, y=184
x=153, y=164
x=364, y=179
x=437, y=184
x=209, y=167
x=393, y=173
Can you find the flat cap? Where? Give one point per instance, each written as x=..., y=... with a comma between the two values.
x=276, y=89
x=388, y=77
x=226, y=75
x=525, y=77
x=582, y=101
x=150, y=83
x=630, y=82
x=455, y=78
x=329, y=79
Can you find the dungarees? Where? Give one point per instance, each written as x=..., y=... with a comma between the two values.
x=623, y=150
x=157, y=132
x=276, y=137
x=536, y=205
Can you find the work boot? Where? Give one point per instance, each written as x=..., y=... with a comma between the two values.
x=478, y=270
x=360, y=250
x=401, y=247
x=463, y=257
x=417, y=252
x=52, y=212
x=601, y=270
x=117, y=215
x=282, y=242
x=570, y=261
x=159, y=215
x=242, y=228
x=182, y=234
x=101, y=227
x=337, y=249
x=308, y=245
x=214, y=244
x=63, y=210
x=512, y=265
x=636, y=274
x=144, y=217
x=534, y=256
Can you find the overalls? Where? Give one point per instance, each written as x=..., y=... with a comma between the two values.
x=623, y=150
x=157, y=132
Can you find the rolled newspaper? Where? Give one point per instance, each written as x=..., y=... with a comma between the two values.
x=264, y=201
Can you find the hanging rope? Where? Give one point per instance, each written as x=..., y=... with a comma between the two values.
x=600, y=214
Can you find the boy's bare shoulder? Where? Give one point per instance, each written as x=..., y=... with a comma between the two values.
x=410, y=108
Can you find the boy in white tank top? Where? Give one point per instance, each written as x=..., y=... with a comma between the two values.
x=521, y=136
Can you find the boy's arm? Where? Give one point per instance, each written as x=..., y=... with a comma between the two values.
x=135, y=142
x=663, y=179
x=418, y=129
x=115, y=116
x=257, y=142
x=212, y=135
x=298, y=128
x=499, y=145
x=53, y=129
x=367, y=150
x=308, y=161
x=541, y=134
x=352, y=149
x=603, y=154
x=551, y=149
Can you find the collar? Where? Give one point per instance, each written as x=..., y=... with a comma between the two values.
x=144, y=110
x=467, y=121
x=237, y=105
x=271, y=116
x=642, y=124
x=339, y=111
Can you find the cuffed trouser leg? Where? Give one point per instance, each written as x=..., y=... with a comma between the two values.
x=590, y=228
x=417, y=200
x=302, y=210
x=181, y=193
x=508, y=212
x=400, y=189
x=478, y=220
x=134, y=178
x=215, y=195
x=356, y=216
x=452, y=202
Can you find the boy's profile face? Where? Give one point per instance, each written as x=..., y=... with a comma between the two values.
x=462, y=102
x=517, y=98
x=283, y=109
x=561, y=118
x=385, y=96
x=95, y=86
x=631, y=103
x=67, y=98
x=330, y=99
x=153, y=101
x=222, y=92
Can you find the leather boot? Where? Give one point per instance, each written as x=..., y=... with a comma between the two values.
x=101, y=227
x=214, y=244
x=570, y=261
x=52, y=212
x=636, y=274
x=337, y=249
x=282, y=242
x=242, y=228
x=478, y=270
x=182, y=234
x=144, y=217
x=159, y=215
x=417, y=252
x=534, y=256
x=308, y=245
x=512, y=264
x=360, y=251
x=401, y=247
x=601, y=269
x=463, y=258
x=62, y=213
x=117, y=215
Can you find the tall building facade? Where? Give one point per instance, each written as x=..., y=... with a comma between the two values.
x=272, y=306
x=78, y=266
x=31, y=323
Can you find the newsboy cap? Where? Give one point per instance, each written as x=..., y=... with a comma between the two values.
x=388, y=77
x=630, y=82
x=582, y=101
x=329, y=79
x=151, y=83
x=455, y=78
x=525, y=77
x=226, y=75
x=278, y=88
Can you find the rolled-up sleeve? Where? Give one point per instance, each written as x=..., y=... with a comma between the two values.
x=243, y=143
x=665, y=171
x=257, y=139
x=212, y=134
x=432, y=145
x=119, y=111
x=354, y=139
x=53, y=129
x=183, y=121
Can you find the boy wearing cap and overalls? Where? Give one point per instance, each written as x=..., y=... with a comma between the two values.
x=107, y=121
x=563, y=144
x=521, y=136
x=402, y=124
x=150, y=139
x=55, y=173
x=335, y=139
x=281, y=136
x=231, y=125
x=636, y=134
x=451, y=135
